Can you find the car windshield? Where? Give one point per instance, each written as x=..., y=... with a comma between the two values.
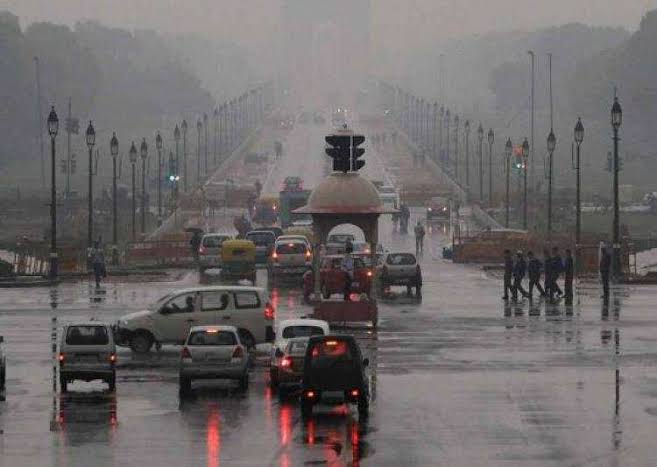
x=341, y=238
x=401, y=259
x=297, y=347
x=261, y=238
x=214, y=241
x=87, y=335
x=325, y=352
x=302, y=331
x=294, y=248
x=211, y=337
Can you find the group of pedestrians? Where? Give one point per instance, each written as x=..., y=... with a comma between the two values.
x=551, y=268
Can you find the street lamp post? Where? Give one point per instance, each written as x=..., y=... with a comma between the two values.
x=579, y=137
x=508, y=150
x=133, y=161
x=551, y=145
x=199, y=127
x=114, y=151
x=205, y=124
x=456, y=148
x=480, y=136
x=491, y=140
x=441, y=156
x=143, y=150
x=525, y=156
x=447, y=124
x=176, y=138
x=158, y=146
x=616, y=121
x=53, y=128
x=91, y=140
x=466, y=136
x=215, y=118
x=434, y=142
x=183, y=127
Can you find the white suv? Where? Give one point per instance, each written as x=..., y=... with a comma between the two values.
x=169, y=320
x=87, y=352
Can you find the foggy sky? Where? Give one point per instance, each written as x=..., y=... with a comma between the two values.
x=394, y=23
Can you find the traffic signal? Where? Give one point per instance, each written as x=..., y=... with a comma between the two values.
x=340, y=151
x=345, y=151
x=357, y=152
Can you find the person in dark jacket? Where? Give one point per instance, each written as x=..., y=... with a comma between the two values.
x=534, y=272
x=605, y=268
x=547, y=280
x=519, y=271
x=569, y=271
x=557, y=269
x=508, y=274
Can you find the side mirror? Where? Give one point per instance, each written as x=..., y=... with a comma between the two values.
x=366, y=362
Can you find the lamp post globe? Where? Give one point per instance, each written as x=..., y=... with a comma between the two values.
x=579, y=132
x=184, y=127
x=133, y=153
x=114, y=145
x=176, y=134
x=143, y=149
x=158, y=142
x=551, y=142
x=491, y=137
x=90, y=135
x=616, y=114
x=480, y=132
x=53, y=122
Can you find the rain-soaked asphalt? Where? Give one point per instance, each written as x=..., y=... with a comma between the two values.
x=457, y=380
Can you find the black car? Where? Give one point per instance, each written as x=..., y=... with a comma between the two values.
x=334, y=369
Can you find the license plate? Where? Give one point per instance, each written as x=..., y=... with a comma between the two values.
x=86, y=358
x=215, y=359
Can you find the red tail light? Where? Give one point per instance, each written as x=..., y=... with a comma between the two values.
x=269, y=311
x=274, y=256
x=238, y=352
x=61, y=358
x=112, y=358
x=185, y=353
x=201, y=250
x=369, y=273
x=286, y=362
x=310, y=394
x=308, y=254
x=354, y=393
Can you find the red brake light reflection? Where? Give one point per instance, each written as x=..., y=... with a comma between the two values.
x=286, y=362
x=269, y=311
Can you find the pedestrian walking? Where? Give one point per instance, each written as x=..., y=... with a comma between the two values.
x=519, y=271
x=569, y=273
x=557, y=269
x=195, y=244
x=508, y=274
x=605, y=268
x=534, y=267
x=97, y=258
x=547, y=278
x=348, y=269
x=419, y=238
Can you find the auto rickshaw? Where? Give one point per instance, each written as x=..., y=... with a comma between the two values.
x=238, y=260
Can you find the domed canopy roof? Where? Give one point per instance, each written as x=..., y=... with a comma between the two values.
x=344, y=193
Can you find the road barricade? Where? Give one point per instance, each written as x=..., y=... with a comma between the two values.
x=159, y=253
x=347, y=312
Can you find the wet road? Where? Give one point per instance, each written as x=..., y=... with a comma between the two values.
x=459, y=379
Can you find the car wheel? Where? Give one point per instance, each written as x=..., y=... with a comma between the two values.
x=184, y=385
x=244, y=382
x=63, y=385
x=111, y=382
x=141, y=342
x=325, y=292
x=273, y=377
x=306, y=408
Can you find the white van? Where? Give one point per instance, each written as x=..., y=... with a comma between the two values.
x=169, y=320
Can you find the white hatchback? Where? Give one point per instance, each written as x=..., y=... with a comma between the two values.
x=213, y=352
x=169, y=320
x=289, y=329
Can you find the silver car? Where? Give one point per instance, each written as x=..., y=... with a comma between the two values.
x=401, y=269
x=213, y=352
x=209, y=253
x=87, y=352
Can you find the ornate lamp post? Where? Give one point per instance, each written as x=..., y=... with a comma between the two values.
x=158, y=146
x=579, y=137
x=456, y=149
x=205, y=124
x=525, y=159
x=183, y=127
x=440, y=136
x=480, y=137
x=114, y=151
x=133, y=161
x=215, y=119
x=176, y=138
x=508, y=150
x=551, y=145
x=53, y=128
x=447, y=124
x=491, y=140
x=90, y=137
x=466, y=136
x=143, y=150
x=616, y=121
x=199, y=127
